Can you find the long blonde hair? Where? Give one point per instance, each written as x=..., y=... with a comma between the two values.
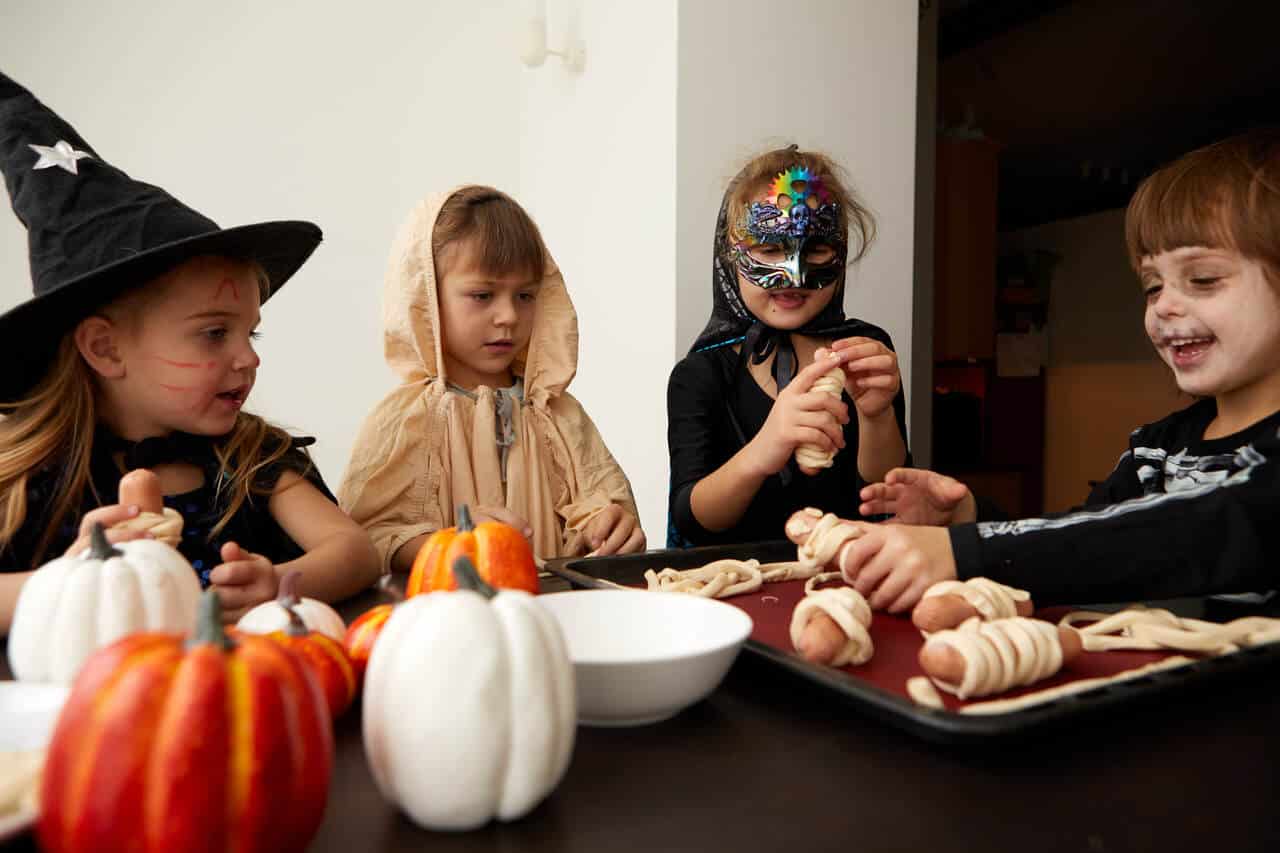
x=54, y=425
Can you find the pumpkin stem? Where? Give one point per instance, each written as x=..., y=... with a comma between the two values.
x=468, y=578
x=288, y=594
x=209, y=629
x=296, y=627
x=99, y=547
x=465, y=524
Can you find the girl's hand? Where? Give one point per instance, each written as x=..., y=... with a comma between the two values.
x=801, y=415
x=504, y=516
x=243, y=581
x=917, y=496
x=872, y=378
x=107, y=516
x=614, y=531
x=893, y=564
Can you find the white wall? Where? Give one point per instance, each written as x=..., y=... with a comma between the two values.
x=597, y=162
x=246, y=111
x=348, y=115
x=837, y=76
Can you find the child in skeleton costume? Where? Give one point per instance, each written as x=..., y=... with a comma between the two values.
x=746, y=397
x=1192, y=506
x=480, y=329
x=136, y=352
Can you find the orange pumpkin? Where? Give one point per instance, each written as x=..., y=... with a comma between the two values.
x=361, y=636
x=326, y=656
x=499, y=551
x=206, y=744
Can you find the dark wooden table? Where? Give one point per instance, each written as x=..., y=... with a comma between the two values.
x=769, y=762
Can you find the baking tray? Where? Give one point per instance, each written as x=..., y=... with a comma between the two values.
x=878, y=687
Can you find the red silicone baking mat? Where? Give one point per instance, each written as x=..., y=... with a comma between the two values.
x=879, y=686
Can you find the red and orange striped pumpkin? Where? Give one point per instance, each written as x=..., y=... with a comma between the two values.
x=500, y=553
x=362, y=634
x=326, y=657
x=201, y=744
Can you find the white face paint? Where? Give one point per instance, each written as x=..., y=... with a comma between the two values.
x=1214, y=318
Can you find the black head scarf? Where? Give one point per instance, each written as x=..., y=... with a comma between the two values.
x=731, y=322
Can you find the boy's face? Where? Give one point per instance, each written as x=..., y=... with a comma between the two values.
x=485, y=319
x=186, y=346
x=1214, y=318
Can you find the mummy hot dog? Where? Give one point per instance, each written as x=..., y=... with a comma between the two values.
x=141, y=488
x=981, y=658
x=950, y=603
x=830, y=626
x=810, y=457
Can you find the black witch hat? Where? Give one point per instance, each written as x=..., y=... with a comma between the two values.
x=94, y=232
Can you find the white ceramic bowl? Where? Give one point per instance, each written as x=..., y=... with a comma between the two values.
x=28, y=713
x=640, y=657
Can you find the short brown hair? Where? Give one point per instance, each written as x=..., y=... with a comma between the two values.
x=1223, y=196
x=506, y=239
x=854, y=216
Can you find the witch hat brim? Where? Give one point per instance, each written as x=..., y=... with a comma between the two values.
x=94, y=233
x=31, y=332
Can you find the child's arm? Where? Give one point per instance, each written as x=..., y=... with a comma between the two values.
x=874, y=383
x=717, y=498
x=600, y=513
x=339, y=559
x=1212, y=538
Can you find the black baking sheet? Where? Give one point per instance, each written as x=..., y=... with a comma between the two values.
x=898, y=640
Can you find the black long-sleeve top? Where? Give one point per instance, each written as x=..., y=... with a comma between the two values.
x=706, y=394
x=1180, y=515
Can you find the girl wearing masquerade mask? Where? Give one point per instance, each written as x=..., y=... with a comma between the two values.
x=742, y=400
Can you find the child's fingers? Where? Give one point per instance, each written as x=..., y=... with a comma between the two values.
x=236, y=572
x=617, y=537
x=635, y=542
x=113, y=536
x=231, y=552
x=910, y=596
x=866, y=349
x=813, y=436
x=873, y=573
x=803, y=381
x=236, y=600
x=890, y=589
x=882, y=380
x=859, y=552
x=107, y=516
x=905, y=476
x=598, y=528
x=946, y=490
x=873, y=364
x=824, y=422
x=855, y=341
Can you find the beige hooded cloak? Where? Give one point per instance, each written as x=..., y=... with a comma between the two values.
x=427, y=448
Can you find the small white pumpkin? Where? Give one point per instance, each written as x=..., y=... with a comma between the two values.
x=270, y=616
x=76, y=604
x=470, y=706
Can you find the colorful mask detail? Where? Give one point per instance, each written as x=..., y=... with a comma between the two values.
x=793, y=235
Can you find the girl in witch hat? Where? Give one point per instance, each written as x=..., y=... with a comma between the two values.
x=136, y=351
x=744, y=399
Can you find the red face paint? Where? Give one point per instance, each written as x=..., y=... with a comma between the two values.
x=183, y=364
x=226, y=282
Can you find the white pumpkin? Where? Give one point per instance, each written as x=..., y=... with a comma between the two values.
x=272, y=616
x=470, y=707
x=74, y=605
